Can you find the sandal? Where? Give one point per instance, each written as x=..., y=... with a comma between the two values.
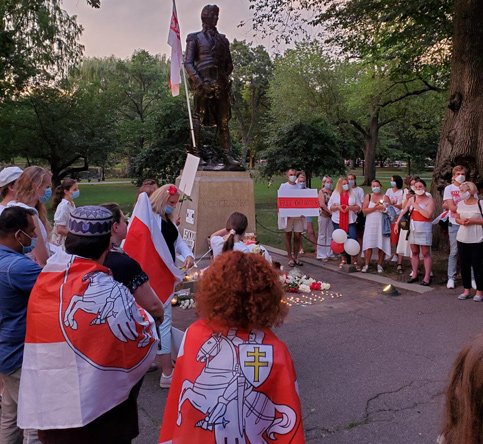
x=291, y=263
x=357, y=266
x=342, y=263
x=399, y=269
x=300, y=264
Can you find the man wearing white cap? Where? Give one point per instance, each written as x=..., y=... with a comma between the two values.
x=8, y=176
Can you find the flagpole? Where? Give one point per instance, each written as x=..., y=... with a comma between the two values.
x=192, y=130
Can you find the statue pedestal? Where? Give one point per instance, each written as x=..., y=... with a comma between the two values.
x=215, y=195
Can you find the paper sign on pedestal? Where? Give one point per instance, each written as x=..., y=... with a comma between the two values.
x=188, y=175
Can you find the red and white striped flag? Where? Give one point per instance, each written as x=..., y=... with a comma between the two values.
x=145, y=243
x=174, y=40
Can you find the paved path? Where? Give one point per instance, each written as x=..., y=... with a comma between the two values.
x=371, y=368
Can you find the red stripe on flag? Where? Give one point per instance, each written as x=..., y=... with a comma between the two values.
x=297, y=202
x=139, y=245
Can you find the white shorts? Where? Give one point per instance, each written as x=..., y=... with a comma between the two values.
x=295, y=224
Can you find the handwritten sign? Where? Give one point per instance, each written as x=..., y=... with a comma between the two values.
x=297, y=202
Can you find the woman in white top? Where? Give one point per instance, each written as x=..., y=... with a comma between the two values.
x=230, y=238
x=33, y=190
x=325, y=224
x=395, y=196
x=470, y=239
x=63, y=204
x=344, y=206
x=374, y=206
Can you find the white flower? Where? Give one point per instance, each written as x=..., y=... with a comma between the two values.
x=325, y=286
x=304, y=288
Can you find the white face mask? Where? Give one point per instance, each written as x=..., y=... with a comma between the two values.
x=413, y=188
x=345, y=187
x=292, y=178
x=376, y=190
x=465, y=195
x=460, y=178
x=419, y=192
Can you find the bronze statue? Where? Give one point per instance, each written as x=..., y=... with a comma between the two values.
x=209, y=65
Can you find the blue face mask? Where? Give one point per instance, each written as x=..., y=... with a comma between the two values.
x=393, y=184
x=345, y=187
x=47, y=195
x=75, y=194
x=328, y=186
x=26, y=249
x=351, y=182
x=301, y=185
x=376, y=190
x=168, y=210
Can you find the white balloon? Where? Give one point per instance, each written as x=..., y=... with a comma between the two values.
x=339, y=236
x=352, y=247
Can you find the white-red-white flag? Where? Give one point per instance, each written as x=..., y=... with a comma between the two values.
x=145, y=243
x=174, y=40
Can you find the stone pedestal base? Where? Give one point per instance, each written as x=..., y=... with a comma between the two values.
x=215, y=195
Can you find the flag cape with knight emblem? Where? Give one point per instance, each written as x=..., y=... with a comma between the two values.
x=87, y=344
x=174, y=40
x=231, y=385
x=145, y=244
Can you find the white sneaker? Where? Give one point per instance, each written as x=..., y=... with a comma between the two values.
x=473, y=284
x=394, y=258
x=165, y=381
x=463, y=296
x=478, y=298
x=365, y=268
x=380, y=269
x=450, y=283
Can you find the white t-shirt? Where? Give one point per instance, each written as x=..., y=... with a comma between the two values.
x=216, y=243
x=452, y=192
x=469, y=234
x=359, y=192
x=61, y=217
x=395, y=197
x=335, y=200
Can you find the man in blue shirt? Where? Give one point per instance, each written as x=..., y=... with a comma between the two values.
x=18, y=274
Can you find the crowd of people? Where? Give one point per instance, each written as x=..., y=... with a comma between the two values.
x=394, y=224
x=85, y=305
x=85, y=312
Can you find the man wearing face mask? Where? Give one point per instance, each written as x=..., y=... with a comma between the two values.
x=295, y=225
x=451, y=197
x=18, y=275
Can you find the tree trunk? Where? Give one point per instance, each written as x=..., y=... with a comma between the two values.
x=461, y=140
x=370, y=145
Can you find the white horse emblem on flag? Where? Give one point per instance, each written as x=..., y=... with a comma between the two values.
x=224, y=391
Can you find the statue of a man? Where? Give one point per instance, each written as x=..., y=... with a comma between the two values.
x=209, y=65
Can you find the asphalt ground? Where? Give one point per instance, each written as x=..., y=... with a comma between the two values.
x=371, y=368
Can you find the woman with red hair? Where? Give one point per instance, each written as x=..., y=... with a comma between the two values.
x=228, y=354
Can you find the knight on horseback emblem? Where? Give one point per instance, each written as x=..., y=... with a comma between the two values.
x=225, y=391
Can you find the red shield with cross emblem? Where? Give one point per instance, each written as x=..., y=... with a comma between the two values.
x=256, y=362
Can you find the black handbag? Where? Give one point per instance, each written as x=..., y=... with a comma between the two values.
x=404, y=221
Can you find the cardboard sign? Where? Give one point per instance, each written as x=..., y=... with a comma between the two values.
x=188, y=176
x=298, y=202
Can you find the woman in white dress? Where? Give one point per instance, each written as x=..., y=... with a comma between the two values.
x=395, y=195
x=63, y=204
x=325, y=224
x=373, y=240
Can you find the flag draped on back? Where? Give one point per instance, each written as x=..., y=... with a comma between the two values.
x=87, y=344
x=232, y=386
x=145, y=243
x=174, y=40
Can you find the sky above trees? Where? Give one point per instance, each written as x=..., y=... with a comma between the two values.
x=120, y=27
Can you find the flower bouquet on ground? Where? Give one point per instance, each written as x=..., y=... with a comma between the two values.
x=297, y=282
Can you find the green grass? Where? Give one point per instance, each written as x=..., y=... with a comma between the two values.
x=265, y=201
